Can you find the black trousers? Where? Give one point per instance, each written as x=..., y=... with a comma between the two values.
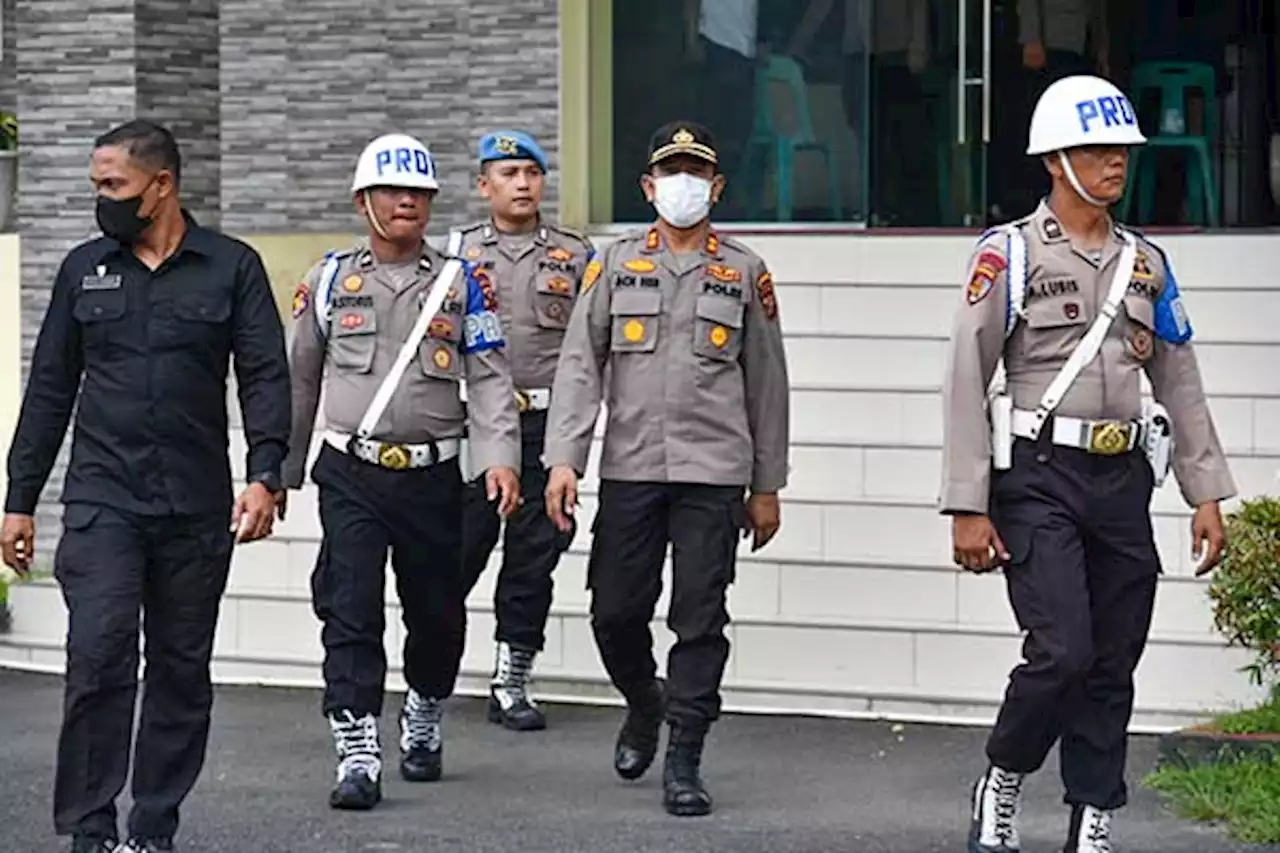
x=365, y=511
x=531, y=547
x=1082, y=583
x=633, y=525
x=110, y=564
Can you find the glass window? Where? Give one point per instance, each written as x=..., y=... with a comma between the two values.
x=914, y=113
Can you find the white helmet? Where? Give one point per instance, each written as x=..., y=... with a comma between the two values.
x=1082, y=110
x=395, y=160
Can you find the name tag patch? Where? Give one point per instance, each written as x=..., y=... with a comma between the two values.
x=101, y=282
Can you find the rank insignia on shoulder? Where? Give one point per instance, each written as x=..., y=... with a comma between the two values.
x=1142, y=267
x=724, y=273
x=713, y=244
x=640, y=265
x=301, y=300
x=556, y=253
x=591, y=274
x=652, y=240
x=768, y=298
x=986, y=267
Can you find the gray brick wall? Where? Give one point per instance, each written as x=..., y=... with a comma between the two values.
x=9, y=59
x=302, y=93
x=177, y=85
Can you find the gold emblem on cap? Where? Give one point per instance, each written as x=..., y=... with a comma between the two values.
x=633, y=331
x=683, y=137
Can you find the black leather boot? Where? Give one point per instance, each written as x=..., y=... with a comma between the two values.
x=510, y=703
x=637, y=743
x=683, y=794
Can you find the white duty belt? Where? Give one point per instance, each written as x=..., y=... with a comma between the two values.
x=392, y=456
x=1104, y=438
x=533, y=399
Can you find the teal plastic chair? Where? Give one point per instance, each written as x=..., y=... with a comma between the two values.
x=772, y=147
x=1171, y=81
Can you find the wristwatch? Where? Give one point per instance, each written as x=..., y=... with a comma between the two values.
x=271, y=482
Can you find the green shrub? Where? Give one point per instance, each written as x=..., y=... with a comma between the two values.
x=1245, y=590
x=8, y=131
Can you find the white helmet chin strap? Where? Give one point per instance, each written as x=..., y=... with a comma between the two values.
x=1075, y=182
x=377, y=226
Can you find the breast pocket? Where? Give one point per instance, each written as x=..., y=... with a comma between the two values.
x=202, y=308
x=353, y=340
x=438, y=353
x=98, y=312
x=635, y=320
x=553, y=300
x=1139, y=339
x=1054, y=327
x=717, y=329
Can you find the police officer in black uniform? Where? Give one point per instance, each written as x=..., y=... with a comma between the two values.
x=148, y=316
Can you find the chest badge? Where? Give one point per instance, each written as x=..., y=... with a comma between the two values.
x=352, y=284
x=719, y=336
x=351, y=321
x=1071, y=310
x=560, y=285
x=473, y=253
x=441, y=358
x=1142, y=343
x=720, y=272
x=1142, y=268
x=633, y=331
x=640, y=265
x=556, y=253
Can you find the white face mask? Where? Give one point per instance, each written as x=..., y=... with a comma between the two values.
x=683, y=200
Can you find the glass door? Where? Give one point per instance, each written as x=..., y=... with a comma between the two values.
x=930, y=110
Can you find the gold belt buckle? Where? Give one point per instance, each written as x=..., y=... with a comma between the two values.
x=523, y=401
x=393, y=456
x=1109, y=438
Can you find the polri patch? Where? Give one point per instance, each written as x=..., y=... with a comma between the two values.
x=591, y=275
x=986, y=267
x=301, y=300
x=768, y=298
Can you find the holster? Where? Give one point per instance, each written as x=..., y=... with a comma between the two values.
x=1001, y=410
x=1157, y=439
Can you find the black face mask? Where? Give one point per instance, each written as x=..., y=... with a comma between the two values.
x=118, y=217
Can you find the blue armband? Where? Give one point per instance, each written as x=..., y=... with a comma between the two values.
x=1172, y=324
x=481, y=325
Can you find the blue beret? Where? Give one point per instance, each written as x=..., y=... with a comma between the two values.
x=511, y=145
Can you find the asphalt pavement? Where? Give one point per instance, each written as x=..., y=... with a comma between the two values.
x=781, y=784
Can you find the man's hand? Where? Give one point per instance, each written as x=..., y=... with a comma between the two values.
x=765, y=514
x=977, y=547
x=254, y=514
x=562, y=496
x=1208, y=538
x=503, y=482
x=18, y=542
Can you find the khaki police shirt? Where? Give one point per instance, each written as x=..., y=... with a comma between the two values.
x=537, y=276
x=372, y=308
x=1065, y=292
x=696, y=386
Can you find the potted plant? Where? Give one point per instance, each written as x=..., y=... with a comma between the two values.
x=1229, y=768
x=8, y=170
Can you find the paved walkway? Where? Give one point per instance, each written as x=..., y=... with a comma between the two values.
x=782, y=785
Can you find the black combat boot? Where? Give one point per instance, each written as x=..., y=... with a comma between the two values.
x=509, y=701
x=359, y=785
x=1089, y=831
x=637, y=743
x=146, y=845
x=92, y=844
x=682, y=792
x=421, y=741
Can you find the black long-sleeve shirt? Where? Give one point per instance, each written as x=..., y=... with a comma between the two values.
x=153, y=349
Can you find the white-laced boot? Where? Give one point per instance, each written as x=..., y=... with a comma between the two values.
x=997, y=796
x=510, y=703
x=421, y=738
x=1090, y=831
x=359, y=784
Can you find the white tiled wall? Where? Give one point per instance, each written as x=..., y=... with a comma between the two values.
x=855, y=608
